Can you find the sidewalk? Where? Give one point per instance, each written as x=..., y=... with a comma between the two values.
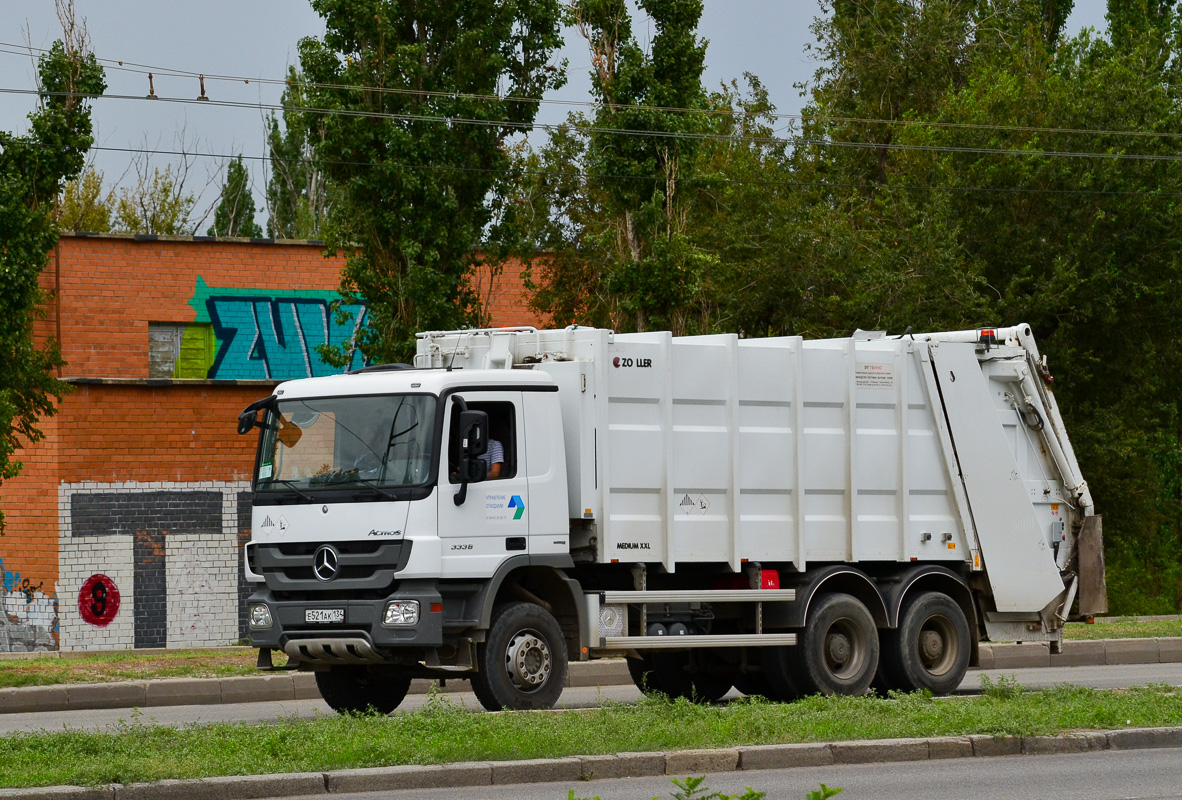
x=302, y=685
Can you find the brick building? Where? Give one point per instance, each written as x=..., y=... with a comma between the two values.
x=123, y=530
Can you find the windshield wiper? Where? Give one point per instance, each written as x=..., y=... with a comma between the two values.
x=372, y=484
x=291, y=485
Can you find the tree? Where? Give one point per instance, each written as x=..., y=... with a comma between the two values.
x=417, y=153
x=235, y=212
x=156, y=204
x=298, y=190
x=82, y=205
x=623, y=253
x=32, y=170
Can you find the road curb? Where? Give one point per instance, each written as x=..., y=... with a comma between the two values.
x=612, y=672
x=574, y=769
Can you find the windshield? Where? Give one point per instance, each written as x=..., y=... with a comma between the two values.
x=378, y=441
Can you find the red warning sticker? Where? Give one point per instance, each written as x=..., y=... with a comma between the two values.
x=98, y=600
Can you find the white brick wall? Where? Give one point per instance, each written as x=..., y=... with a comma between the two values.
x=202, y=573
x=202, y=590
x=78, y=559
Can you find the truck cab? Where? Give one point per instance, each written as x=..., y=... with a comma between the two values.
x=375, y=500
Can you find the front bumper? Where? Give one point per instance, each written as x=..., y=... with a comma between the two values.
x=361, y=638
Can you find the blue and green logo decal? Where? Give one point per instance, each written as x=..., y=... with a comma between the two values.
x=515, y=502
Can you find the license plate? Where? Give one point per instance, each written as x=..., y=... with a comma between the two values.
x=324, y=615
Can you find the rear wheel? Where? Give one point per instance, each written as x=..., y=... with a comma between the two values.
x=523, y=662
x=355, y=689
x=837, y=651
x=930, y=648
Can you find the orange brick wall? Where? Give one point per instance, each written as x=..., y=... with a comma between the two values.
x=111, y=433
x=112, y=286
x=29, y=546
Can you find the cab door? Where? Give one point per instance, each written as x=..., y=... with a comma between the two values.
x=493, y=522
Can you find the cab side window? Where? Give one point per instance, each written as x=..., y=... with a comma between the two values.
x=502, y=439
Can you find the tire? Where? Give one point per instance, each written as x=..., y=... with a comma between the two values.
x=357, y=689
x=523, y=661
x=837, y=651
x=777, y=674
x=673, y=677
x=931, y=647
x=643, y=675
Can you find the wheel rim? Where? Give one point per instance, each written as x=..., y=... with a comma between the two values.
x=937, y=645
x=528, y=661
x=845, y=649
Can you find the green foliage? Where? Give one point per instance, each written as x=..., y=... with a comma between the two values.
x=82, y=206
x=298, y=193
x=692, y=788
x=235, y=212
x=414, y=194
x=614, y=207
x=32, y=170
x=824, y=793
x=156, y=204
x=1005, y=688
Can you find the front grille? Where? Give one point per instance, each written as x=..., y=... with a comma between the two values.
x=363, y=565
x=344, y=548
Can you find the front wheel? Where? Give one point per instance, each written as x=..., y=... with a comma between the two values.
x=523, y=661
x=930, y=649
x=837, y=651
x=356, y=689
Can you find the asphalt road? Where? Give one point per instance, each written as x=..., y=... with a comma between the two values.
x=1109, y=775
x=1106, y=677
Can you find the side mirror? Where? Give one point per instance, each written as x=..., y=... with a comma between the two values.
x=473, y=433
x=473, y=428
x=247, y=420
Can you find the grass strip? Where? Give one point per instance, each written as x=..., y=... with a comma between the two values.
x=111, y=667
x=446, y=732
x=1123, y=628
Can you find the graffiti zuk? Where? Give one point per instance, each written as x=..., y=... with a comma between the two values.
x=275, y=338
x=270, y=335
x=30, y=620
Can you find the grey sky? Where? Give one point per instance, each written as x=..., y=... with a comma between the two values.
x=257, y=39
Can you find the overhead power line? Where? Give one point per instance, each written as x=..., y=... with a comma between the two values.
x=144, y=69
x=601, y=176
x=674, y=135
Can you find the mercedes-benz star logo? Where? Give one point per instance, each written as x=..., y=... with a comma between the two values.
x=324, y=563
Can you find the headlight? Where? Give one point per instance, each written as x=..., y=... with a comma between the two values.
x=260, y=616
x=401, y=613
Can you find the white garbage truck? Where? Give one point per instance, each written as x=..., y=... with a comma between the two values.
x=783, y=516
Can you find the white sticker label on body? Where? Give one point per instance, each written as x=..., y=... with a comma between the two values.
x=503, y=507
x=874, y=376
